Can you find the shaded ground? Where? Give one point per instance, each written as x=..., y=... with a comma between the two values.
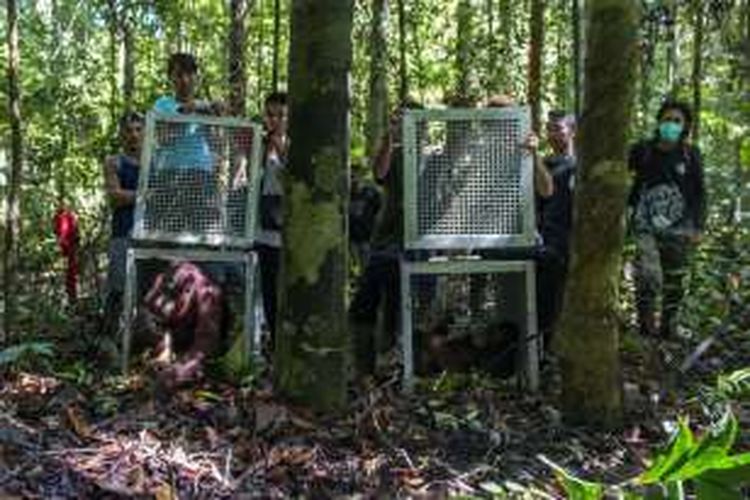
x=82, y=435
x=68, y=430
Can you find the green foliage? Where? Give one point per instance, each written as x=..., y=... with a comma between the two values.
x=25, y=354
x=705, y=463
x=736, y=385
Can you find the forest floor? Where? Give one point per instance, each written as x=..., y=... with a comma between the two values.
x=70, y=429
x=87, y=434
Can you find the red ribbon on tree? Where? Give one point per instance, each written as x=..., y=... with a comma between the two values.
x=66, y=230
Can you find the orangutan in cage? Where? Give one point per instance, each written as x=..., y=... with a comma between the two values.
x=191, y=314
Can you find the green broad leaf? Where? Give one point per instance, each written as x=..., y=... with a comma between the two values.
x=711, y=450
x=677, y=452
x=575, y=488
x=675, y=490
x=493, y=489
x=735, y=385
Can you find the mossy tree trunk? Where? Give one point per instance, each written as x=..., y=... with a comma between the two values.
x=377, y=106
x=589, y=336
x=403, y=76
x=311, y=346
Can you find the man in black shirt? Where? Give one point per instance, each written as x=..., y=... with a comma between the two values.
x=667, y=203
x=556, y=219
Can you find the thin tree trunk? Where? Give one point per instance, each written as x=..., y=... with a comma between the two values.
x=506, y=35
x=276, y=44
x=128, y=83
x=464, y=40
x=490, y=83
x=259, y=54
x=535, y=63
x=312, y=341
x=672, y=48
x=698, y=28
x=577, y=56
x=237, y=73
x=588, y=342
x=377, y=108
x=114, y=46
x=403, y=88
x=12, y=215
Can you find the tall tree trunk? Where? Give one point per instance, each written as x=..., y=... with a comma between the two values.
x=377, y=107
x=588, y=344
x=490, y=82
x=312, y=342
x=276, y=44
x=577, y=57
x=259, y=53
x=12, y=214
x=128, y=81
x=403, y=74
x=505, y=21
x=672, y=41
x=698, y=28
x=114, y=66
x=237, y=73
x=464, y=40
x=535, y=63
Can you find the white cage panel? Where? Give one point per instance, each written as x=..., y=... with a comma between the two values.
x=489, y=306
x=233, y=272
x=468, y=181
x=199, y=180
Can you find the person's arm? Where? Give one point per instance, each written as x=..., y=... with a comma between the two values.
x=117, y=196
x=543, y=182
x=381, y=164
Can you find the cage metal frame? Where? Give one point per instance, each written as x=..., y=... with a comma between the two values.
x=130, y=304
x=253, y=182
x=412, y=239
x=530, y=346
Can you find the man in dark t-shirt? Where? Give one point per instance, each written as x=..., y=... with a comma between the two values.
x=379, y=284
x=667, y=203
x=556, y=220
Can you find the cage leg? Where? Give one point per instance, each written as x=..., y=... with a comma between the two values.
x=128, y=310
x=407, y=341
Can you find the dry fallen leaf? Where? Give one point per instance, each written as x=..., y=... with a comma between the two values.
x=78, y=422
x=164, y=492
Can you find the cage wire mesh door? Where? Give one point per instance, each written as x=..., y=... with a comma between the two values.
x=199, y=180
x=468, y=182
x=233, y=272
x=486, y=309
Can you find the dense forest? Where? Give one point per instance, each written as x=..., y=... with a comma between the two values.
x=615, y=413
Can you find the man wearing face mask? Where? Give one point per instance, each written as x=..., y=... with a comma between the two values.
x=668, y=208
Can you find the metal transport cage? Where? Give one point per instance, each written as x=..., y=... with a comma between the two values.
x=234, y=272
x=199, y=180
x=468, y=182
x=492, y=301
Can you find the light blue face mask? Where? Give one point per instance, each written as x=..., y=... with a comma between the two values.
x=670, y=131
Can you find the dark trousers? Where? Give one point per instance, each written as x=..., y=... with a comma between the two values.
x=661, y=266
x=269, y=259
x=551, y=275
x=378, y=286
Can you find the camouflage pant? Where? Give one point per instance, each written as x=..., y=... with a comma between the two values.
x=661, y=266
